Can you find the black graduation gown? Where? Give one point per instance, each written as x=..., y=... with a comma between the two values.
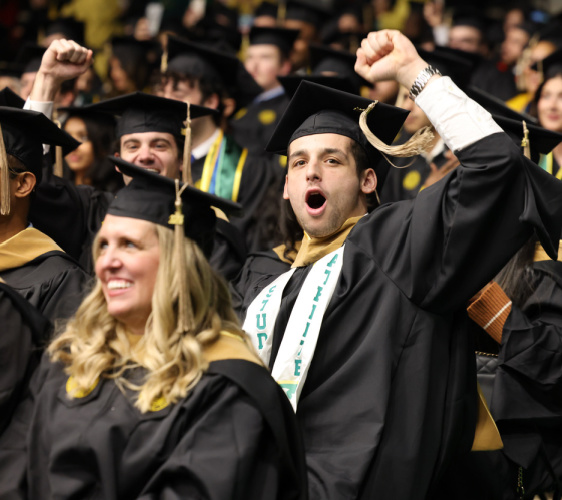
x=234, y=436
x=23, y=329
x=405, y=183
x=526, y=401
x=390, y=396
x=258, y=185
x=72, y=215
x=54, y=283
x=253, y=126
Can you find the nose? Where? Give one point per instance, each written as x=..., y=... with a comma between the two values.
x=144, y=155
x=108, y=260
x=313, y=172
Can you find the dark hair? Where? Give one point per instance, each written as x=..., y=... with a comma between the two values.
x=101, y=132
x=553, y=72
x=207, y=86
x=362, y=163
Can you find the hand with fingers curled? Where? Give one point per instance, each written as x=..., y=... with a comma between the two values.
x=63, y=60
x=388, y=55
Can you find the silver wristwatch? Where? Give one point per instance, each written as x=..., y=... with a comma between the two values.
x=421, y=81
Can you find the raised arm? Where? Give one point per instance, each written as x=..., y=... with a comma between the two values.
x=455, y=236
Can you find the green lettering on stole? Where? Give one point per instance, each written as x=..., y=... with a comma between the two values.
x=289, y=388
x=258, y=325
x=333, y=261
x=318, y=293
x=262, y=337
x=297, y=367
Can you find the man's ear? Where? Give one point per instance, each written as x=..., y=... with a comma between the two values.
x=368, y=181
x=285, y=190
x=229, y=106
x=24, y=184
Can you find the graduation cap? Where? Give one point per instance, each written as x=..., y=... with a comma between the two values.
x=455, y=64
x=496, y=106
x=282, y=38
x=291, y=82
x=128, y=48
x=141, y=112
x=468, y=16
x=266, y=9
x=69, y=27
x=203, y=62
x=534, y=139
x=24, y=132
x=29, y=57
x=328, y=61
x=171, y=204
x=521, y=127
x=315, y=109
x=311, y=12
x=9, y=98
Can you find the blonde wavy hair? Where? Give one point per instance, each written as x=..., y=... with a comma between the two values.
x=95, y=345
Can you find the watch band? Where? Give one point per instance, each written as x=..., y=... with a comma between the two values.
x=421, y=81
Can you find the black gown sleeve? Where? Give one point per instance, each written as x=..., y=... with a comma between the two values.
x=24, y=328
x=445, y=245
x=71, y=215
x=231, y=451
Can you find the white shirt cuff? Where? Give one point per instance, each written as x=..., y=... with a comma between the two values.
x=43, y=107
x=459, y=120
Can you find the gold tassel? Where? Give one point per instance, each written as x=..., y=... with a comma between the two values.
x=416, y=145
x=186, y=166
x=177, y=219
x=164, y=61
x=4, y=178
x=281, y=13
x=58, y=155
x=525, y=143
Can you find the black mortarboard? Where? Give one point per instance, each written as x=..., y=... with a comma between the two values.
x=9, y=98
x=266, y=9
x=69, y=27
x=496, y=106
x=540, y=140
x=141, y=112
x=327, y=61
x=315, y=109
x=151, y=197
x=280, y=37
x=26, y=131
x=313, y=12
x=455, y=65
x=198, y=61
x=23, y=134
x=10, y=68
x=469, y=17
x=29, y=57
x=128, y=48
x=291, y=83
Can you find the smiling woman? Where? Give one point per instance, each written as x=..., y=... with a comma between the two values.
x=153, y=380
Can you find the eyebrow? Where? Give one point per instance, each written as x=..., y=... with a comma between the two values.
x=325, y=151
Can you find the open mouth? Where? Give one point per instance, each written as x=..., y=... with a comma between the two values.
x=315, y=200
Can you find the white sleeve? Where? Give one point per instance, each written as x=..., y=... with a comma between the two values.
x=42, y=107
x=459, y=120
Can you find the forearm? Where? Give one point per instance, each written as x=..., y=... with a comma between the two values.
x=458, y=119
